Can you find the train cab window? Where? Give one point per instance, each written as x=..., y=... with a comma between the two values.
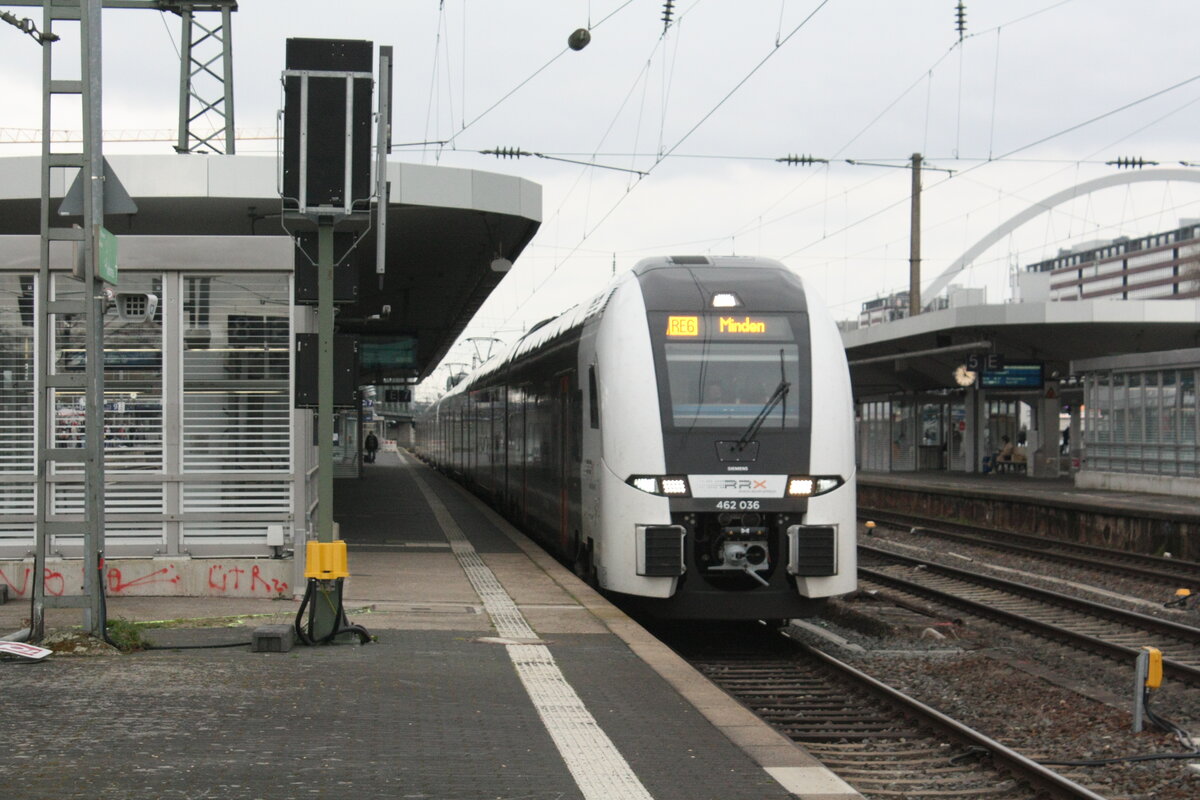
x=727, y=384
x=593, y=398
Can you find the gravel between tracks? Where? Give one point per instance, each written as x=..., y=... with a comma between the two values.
x=1044, y=700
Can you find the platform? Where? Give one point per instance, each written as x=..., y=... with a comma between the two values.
x=496, y=674
x=1146, y=523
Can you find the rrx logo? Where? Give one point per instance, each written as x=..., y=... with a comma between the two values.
x=743, y=485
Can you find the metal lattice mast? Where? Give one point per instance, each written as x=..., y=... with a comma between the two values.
x=205, y=76
x=54, y=529
x=206, y=65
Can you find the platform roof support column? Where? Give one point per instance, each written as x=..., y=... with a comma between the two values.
x=1044, y=456
x=973, y=438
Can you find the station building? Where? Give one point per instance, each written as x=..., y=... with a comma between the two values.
x=207, y=456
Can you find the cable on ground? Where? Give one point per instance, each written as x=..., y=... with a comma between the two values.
x=304, y=631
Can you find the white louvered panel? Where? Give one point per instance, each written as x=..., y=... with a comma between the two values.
x=223, y=537
x=134, y=498
x=125, y=498
x=15, y=539
x=270, y=497
x=237, y=402
x=16, y=499
x=244, y=431
x=133, y=426
x=16, y=374
x=140, y=538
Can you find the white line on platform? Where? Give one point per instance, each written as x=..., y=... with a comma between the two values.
x=599, y=769
x=809, y=781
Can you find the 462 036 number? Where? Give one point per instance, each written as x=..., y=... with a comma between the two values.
x=737, y=505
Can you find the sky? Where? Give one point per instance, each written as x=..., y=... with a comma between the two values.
x=680, y=125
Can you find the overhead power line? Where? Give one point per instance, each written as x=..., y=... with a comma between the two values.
x=669, y=151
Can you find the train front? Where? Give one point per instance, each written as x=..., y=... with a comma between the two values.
x=751, y=507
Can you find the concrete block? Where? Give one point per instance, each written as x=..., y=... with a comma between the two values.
x=272, y=639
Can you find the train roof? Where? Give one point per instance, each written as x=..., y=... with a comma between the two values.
x=661, y=262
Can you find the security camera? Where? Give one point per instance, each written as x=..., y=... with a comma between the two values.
x=136, y=306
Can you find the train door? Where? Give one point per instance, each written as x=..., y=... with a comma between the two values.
x=572, y=480
x=562, y=430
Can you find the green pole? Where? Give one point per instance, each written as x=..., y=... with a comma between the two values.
x=324, y=611
x=325, y=380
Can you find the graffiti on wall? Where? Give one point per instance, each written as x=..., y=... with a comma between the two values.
x=232, y=578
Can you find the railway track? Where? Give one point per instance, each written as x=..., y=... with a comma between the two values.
x=1103, y=629
x=1168, y=571
x=880, y=741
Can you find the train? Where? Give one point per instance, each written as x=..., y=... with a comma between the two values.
x=684, y=440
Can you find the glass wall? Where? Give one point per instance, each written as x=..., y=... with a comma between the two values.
x=874, y=429
x=1142, y=422
x=887, y=434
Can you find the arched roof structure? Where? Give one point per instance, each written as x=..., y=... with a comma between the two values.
x=1037, y=209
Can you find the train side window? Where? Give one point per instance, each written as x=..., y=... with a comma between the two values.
x=593, y=400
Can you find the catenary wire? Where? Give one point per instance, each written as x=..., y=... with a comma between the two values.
x=680, y=141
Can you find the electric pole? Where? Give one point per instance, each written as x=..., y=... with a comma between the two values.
x=914, y=252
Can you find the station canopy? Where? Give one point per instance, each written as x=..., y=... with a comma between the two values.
x=445, y=229
x=922, y=353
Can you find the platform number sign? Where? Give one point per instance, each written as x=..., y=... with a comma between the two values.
x=985, y=362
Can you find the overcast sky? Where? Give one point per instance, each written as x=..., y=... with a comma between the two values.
x=1034, y=99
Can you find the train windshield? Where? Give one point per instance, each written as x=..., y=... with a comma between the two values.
x=723, y=384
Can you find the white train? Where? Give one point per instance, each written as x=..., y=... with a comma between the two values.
x=686, y=437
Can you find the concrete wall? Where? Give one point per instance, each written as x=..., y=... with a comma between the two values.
x=266, y=578
x=1130, y=482
x=1165, y=533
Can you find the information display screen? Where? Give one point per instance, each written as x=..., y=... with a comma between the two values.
x=1013, y=376
x=771, y=327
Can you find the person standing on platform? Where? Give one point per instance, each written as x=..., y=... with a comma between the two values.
x=370, y=445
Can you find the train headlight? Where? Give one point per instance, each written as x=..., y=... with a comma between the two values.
x=812, y=485
x=645, y=483
x=662, y=485
x=677, y=487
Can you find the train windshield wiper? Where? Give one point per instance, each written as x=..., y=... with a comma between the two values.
x=781, y=391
